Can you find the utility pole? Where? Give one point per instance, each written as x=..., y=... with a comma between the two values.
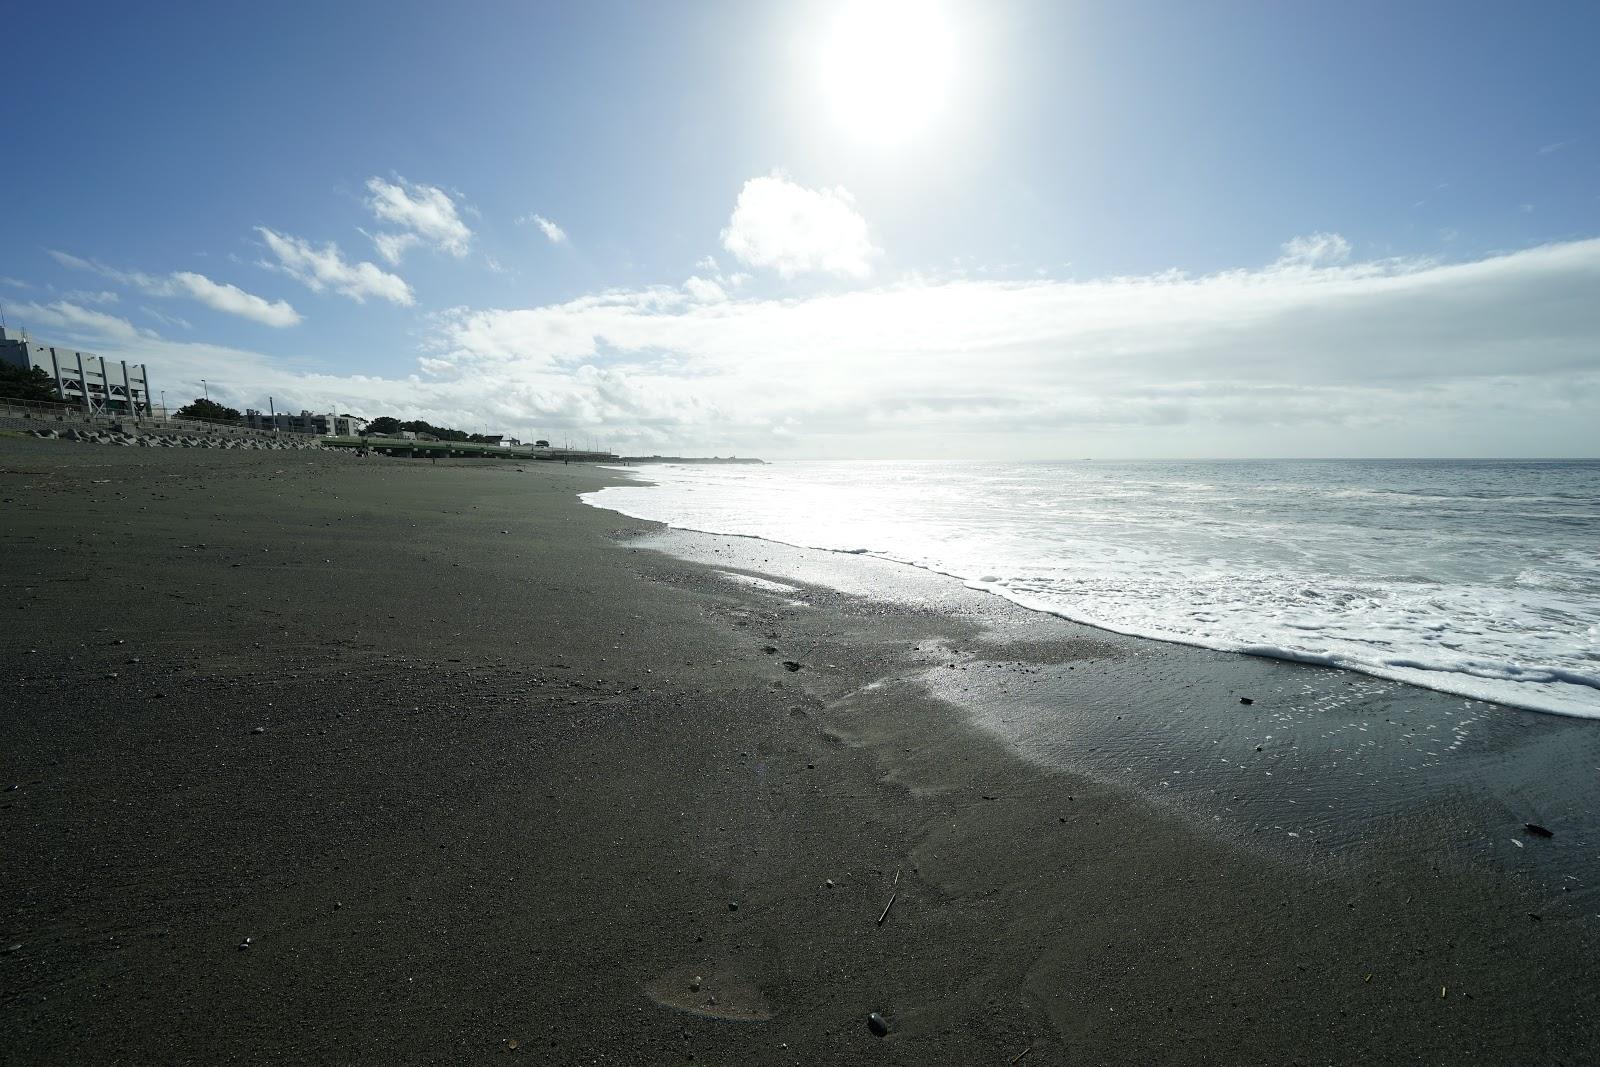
x=206, y=387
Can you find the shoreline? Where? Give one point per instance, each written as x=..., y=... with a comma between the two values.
x=1465, y=683
x=1282, y=655
x=522, y=809
x=1322, y=728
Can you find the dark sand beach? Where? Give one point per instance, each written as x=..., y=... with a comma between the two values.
x=315, y=759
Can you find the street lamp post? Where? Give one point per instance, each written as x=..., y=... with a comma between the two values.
x=163, y=404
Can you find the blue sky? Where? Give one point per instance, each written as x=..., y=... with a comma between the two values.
x=1110, y=196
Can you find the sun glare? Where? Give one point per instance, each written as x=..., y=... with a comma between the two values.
x=888, y=67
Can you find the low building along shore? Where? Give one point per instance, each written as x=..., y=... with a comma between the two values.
x=329, y=425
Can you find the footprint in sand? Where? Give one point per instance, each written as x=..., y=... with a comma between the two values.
x=710, y=991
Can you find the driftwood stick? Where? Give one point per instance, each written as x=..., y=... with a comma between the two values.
x=1018, y=1057
x=887, y=906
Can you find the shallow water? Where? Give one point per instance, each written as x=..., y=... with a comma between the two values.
x=1477, y=578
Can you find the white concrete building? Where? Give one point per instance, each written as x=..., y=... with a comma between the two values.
x=99, y=386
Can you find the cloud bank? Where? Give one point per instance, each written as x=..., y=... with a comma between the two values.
x=1314, y=350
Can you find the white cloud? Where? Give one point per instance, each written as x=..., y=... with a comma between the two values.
x=324, y=268
x=392, y=246
x=219, y=296
x=1315, y=250
x=78, y=321
x=795, y=230
x=169, y=320
x=704, y=291
x=423, y=212
x=148, y=283
x=89, y=296
x=75, y=262
x=555, y=234
x=1499, y=355
x=235, y=301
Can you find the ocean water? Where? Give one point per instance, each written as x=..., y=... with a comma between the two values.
x=1479, y=578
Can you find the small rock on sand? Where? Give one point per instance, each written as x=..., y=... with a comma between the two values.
x=878, y=1025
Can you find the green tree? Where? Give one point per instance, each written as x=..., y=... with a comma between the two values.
x=209, y=410
x=389, y=424
x=31, y=384
x=443, y=433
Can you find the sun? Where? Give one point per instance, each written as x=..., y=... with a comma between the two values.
x=888, y=67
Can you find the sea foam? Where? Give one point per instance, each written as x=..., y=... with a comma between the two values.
x=1476, y=578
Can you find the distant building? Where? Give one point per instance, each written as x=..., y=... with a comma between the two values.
x=329, y=425
x=99, y=386
x=541, y=444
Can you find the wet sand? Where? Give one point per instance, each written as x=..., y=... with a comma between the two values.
x=319, y=759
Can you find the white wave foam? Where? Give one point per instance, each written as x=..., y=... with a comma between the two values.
x=1458, y=590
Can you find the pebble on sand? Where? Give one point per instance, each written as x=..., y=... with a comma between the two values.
x=878, y=1025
